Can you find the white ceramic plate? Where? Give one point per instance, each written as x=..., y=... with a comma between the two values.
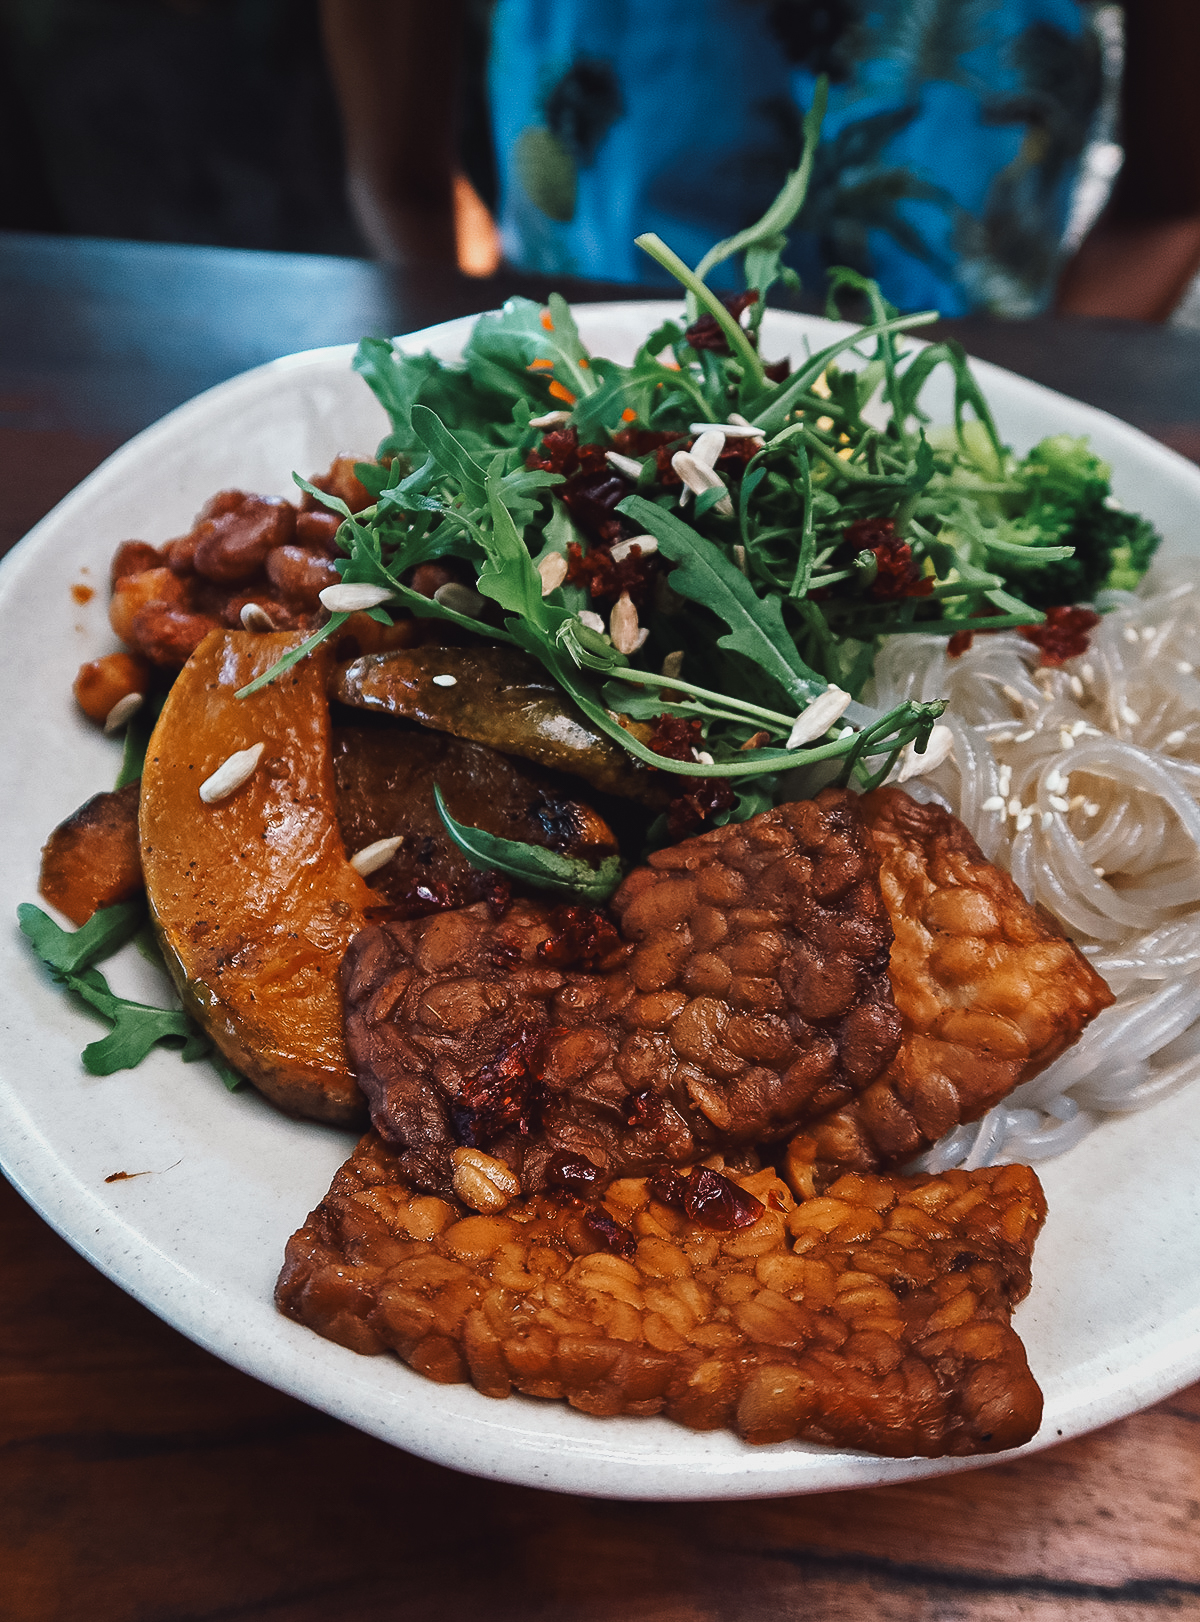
x=1113, y=1321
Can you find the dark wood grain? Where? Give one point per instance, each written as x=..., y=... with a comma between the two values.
x=142, y=1479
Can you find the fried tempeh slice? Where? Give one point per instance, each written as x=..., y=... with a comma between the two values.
x=988, y=988
x=94, y=858
x=874, y=1317
x=746, y=994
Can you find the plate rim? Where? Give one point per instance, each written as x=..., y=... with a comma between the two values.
x=28, y=1159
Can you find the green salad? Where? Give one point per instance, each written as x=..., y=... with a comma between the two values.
x=713, y=544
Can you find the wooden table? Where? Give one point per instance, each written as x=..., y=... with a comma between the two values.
x=142, y=1479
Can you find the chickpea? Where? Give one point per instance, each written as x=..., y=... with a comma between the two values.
x=104, y=682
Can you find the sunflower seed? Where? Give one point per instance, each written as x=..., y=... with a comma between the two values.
x=372, y=857
x=231, y=774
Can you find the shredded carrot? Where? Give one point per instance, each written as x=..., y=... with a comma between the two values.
x=542, y=365
x=560, y=393
x=629, y=414
x=582, y=362
x=546, y=321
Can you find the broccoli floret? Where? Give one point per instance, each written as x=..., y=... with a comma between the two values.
x=1067, y=504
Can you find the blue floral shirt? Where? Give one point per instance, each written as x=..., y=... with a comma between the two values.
x=953, y=138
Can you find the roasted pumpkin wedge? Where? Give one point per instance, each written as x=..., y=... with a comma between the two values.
x=252, y=896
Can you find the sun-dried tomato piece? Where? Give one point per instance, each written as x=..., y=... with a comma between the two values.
x=573, y=1174
x=959, y=644
x=700, y=801
x=668, y=1187
x=706, y=332
x=584, y=938
x=618, y=1241
x=778, y=371
x=641, y=441
x=506, y=1095
x=714, y=1202
x=676, y=738
x=1064, y=634
x=605, y=577
x=899, y=574
x=707, y=1198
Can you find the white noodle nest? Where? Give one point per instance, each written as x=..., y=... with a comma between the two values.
x=1083, y=781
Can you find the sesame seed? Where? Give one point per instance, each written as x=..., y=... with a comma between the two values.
x=1059, y=804
x=1066, y=739
x=1078, y=728
x=1055, y=781
x=1024, y=737
x=1091, y=809
x=1013, y=695
x=1174, y=739
x=1088, y=672
x=1099, y=872
x=445, y=681
x=1005, y=780
x=994, y=802
x=372, y=857
x=1148, y=633
x=1130, y=717
x=1003, y=737
x=122, y=711
x=1024, y=820
x=591, y=619
x=1076, y=686
x=1015, y=807
x=231, y=774
x=1047, y=820
x=1130, y=633
x=1184, y=668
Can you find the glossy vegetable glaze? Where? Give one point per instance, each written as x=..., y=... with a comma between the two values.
x=252, y=897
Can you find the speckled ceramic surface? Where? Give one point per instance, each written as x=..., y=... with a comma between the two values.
x=1114, y=1318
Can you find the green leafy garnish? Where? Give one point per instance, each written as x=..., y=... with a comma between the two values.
x=136, y=1027
x=847, y=519
x=541, y=869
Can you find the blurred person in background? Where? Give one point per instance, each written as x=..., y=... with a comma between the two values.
x=951, y=151
x=954, y=164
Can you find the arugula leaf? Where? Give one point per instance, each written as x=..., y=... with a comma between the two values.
x=703, y=573
x=764, y=242
x=448, y=453
x=136, y=1027
x=504, y=349
x=532, y=864
x=71, y=952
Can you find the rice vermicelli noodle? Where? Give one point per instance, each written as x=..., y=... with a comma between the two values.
x=1084, y=781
